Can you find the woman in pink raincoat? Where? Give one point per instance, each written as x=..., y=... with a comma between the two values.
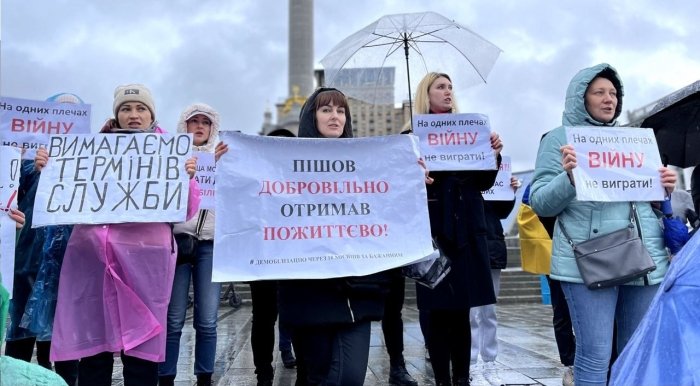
x=116, y=279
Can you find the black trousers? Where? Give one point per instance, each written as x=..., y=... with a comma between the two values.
x=23, y=349
x=392, y=324
x=262, y=334
x=561, y=320
x=332, y=355
x=449, y=342
x=97, y=370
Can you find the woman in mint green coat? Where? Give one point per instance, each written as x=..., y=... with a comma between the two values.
x=594, y=98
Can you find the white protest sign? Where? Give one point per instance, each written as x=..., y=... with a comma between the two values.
x=114, y=178
x=455, y=141
x=501, y=189
x=300, y=208
x=9, y=183
x=616, y=164
x=205, y=176
x=29, y=124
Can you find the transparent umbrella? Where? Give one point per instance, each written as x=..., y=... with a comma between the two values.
x=366, y=64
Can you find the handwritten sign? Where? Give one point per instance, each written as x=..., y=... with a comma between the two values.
x=293, y=208
x=455, y=141
x=616, y=164
x=206, y=177
x=501, y=189
x=114, y=178
x=29, y=124
x=10, y=158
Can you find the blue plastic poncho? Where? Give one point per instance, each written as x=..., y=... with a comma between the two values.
x=665, y=348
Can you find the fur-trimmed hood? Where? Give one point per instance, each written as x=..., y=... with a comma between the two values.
x=213, y=115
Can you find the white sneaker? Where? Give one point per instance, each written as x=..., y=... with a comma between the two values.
x=490, y=373
x=568, y=378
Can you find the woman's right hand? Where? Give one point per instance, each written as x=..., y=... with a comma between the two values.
x=41, y=159
x=568, y=160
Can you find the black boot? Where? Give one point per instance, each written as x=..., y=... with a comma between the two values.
x=443, y=382
x=166, y=380
x=399, y=376
x=461, y=382
x=265, y=380
x=288, y=359
x=204, y=379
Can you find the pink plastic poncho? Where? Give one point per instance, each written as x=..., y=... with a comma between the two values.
x=114, y=289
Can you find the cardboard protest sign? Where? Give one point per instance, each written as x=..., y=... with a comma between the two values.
x=501, y=189
x=9, y=183
x=114, y=178
x=29, y=124
x=455, y=141
x=616, y=164
x=206, y=177
x=318, y=208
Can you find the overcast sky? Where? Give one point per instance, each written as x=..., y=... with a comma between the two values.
x=233, y=54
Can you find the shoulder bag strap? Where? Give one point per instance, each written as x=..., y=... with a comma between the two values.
x=200, y=222
x=633, y=220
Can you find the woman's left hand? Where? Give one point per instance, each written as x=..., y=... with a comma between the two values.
x=18, y=216
x=191, y=166
x=221, y=149
x=496, y=143
x=428, y=180
x=668, y=179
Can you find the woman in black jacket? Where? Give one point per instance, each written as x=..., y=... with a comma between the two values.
x=330, y=318
x=458, y=225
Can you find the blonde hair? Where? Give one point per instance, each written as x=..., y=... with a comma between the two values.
x=422, y=103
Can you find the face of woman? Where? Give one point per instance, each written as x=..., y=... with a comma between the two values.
x=200, y=128
x=134, y=115
x=601, y=100
x=440, y=95
x=330, y=120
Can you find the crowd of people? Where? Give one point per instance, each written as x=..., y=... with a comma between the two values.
x=123, y=288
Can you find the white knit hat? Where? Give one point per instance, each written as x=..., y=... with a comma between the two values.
x=133, y=93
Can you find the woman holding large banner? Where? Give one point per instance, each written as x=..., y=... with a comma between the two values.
x=116, y=278
x=594, y=98
x=458, y=225
x=330, y=318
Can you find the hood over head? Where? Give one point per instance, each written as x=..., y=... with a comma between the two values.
x=575, y=113
x=307, y=115
x=209, y=112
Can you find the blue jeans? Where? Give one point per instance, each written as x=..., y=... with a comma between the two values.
x=206, y=305
x=593, y=313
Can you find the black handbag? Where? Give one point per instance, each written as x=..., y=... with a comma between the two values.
x=612, y=259
x=431, y=270
x=187, y=243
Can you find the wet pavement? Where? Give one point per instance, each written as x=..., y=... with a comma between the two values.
x=527, y=351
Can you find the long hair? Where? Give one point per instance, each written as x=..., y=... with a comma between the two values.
x=422, y=102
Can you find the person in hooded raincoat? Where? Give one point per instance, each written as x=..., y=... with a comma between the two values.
x=116, y=279
x=38, y=259
x=17, y=372
x=458, y=224
x=594, y=98
x=202, y=121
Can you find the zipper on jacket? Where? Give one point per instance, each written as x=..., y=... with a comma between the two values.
x=352, y=315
